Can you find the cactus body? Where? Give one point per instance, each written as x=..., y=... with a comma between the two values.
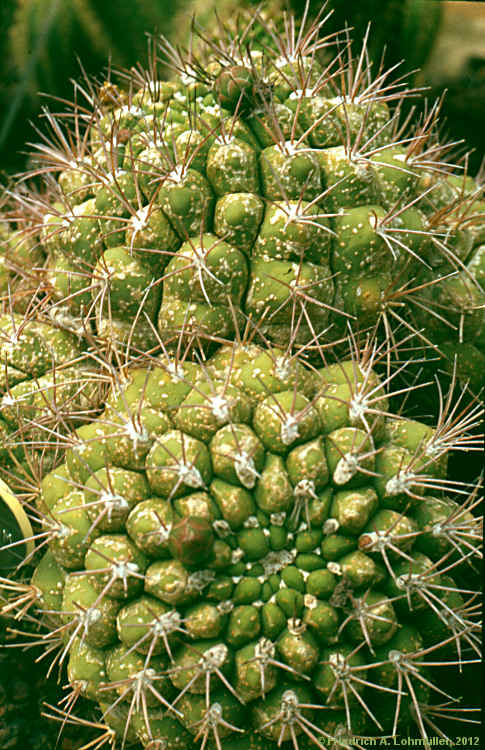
x=249, y=546
x=257, y=572
x=260, y=189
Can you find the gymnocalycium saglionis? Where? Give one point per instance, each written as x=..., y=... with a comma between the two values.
x=249, y=252
x=248, y=551
x=274, y=178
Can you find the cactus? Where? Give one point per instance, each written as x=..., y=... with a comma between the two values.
x=278, y=185
x=412, y=24
x=247, y=253
x=41, y=42
x=23, y=694
x=48, y=381
x=45, y=44
x=47, y=385
x=249, y=550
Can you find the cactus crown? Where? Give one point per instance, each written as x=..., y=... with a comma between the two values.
x=274, y=176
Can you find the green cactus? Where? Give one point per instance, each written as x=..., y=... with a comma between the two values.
x=255, y=542
x=274, y=186
x=233, y=566
x=47, y=43
x=411, y=24
x=49, y=379
x=48, y=385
